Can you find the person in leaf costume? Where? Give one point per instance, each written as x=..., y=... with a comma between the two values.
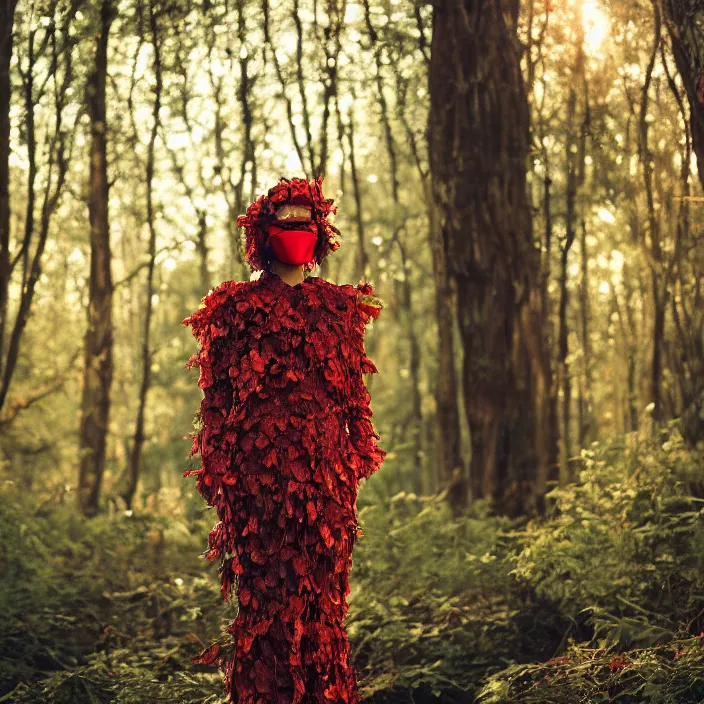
x=285, y=437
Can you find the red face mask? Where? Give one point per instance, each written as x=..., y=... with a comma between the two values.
x=295, y=243
x=293, y=246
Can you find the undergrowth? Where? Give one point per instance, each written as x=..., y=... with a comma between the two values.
x=601, y=600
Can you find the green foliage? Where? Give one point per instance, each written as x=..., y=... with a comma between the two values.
x=622, y=552
x=624, y=543
x=110, y=609
x=601, y=600
x=670, y=674
x=433, y=606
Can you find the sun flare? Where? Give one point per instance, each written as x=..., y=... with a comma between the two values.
x=596, y=25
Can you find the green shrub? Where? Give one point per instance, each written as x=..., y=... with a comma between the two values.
x=624, y=545
x=621, y=554
x=433, y=606
x=600, y=600
x=101, y=610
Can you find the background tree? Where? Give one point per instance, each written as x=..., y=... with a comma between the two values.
x=479, y=145
x=98, y=372
x=7, y=17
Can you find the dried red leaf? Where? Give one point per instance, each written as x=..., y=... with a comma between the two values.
x=207, y=656
x=259, y=557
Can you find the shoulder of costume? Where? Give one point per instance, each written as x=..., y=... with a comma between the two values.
x=218, y=301
x=367, y=303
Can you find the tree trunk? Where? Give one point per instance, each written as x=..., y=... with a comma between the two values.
x=413, y=420
x=659, y=310
x=138, y=442
x=659, y=284
x=585, y=386
x=202, y=249
x=97, y=380
x=690, y=331
x=563, y=370
x=361, y=258
x=57, y=148
x=686, y=37
x=575, y=155
x=449, y=439
x=478, y=143
x=433, y=474
x=7, y=17
x=631, y=334
x=546, y=302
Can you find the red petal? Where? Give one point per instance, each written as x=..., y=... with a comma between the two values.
x=207, y=656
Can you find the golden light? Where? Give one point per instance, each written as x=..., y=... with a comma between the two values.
x=293, y=163
x=605, y=215
x=596, y=25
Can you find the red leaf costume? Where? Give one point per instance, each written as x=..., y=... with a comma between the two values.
x=286, y=436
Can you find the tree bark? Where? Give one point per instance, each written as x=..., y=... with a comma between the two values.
x=7, y=18
x=685, y=35
x=563, y=370
x=478, y=137
x=413, y=420
x=57, y=146
x=585, y=386
x=659, y=285
x=575, y=155
x=138, y=441
x=450, y=463
x=97, y=381
x=449, y=438
x=689, y=326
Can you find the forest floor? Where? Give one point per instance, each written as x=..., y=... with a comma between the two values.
x=601, y=600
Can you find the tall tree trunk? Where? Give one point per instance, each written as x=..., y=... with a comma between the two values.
x=659, y=311
x=478, y=139
x=686, y=36
x=450, y=465
x=57, y=147
x=7, y=18
x=563, y=370
x=632, y=336
x=546, y=301
x=361, y=257
x=97, y=380
x=659, y=285
x=585, y=386
x=248, y=165
x=138, y=442
x=575, y=155
x=449, y=438
x=31, y=139
x=414, y=421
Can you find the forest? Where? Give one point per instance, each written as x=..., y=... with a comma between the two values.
x=523, y=183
